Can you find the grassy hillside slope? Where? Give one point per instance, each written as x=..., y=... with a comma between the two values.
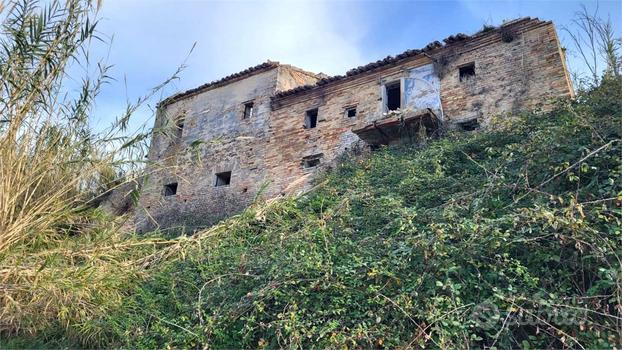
x=507, y=238
x=504, y=238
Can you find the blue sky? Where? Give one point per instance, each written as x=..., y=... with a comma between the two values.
x=150, y=38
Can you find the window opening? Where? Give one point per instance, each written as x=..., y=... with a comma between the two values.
x=393, y=92
x=467, y=72
x=223, y=179
x=311, y=119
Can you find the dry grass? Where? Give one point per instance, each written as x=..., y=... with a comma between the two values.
x=62, y=261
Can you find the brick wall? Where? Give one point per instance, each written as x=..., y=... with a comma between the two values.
x=215, y=138
x=509, y=76
x=517, y=66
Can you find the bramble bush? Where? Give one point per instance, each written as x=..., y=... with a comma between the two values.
x=501, y=238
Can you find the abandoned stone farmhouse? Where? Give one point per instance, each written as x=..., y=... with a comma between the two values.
x=265, y=131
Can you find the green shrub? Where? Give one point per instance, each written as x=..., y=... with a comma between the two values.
x=506, y=238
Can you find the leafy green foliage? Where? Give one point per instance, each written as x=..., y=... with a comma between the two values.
x=506, y=238
x=509, y=238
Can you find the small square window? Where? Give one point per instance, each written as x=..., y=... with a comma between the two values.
x=469, y=125
x=170, y=189
x=312, y=161
x=311, y=119
x=248, y=110
x=351, y=112
x=223, y=179
x=467, y=72
x=393, y=95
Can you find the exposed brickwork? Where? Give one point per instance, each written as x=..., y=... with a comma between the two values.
x=215, y=138
x=271, y=153
x=510, y=76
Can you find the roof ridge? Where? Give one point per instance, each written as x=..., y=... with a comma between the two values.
x=408, y=53
x=267, y=65
x=298, y=69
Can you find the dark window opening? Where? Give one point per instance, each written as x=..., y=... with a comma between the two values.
x=311, y=161
x=351, y=112
x=467, y=72
x=469, y=125
x=248, y=109
x=179, y=127
x=170, y=189
x=311, y=119
x=393, y=92
x=223, y=179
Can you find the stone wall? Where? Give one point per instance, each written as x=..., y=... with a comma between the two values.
x=333, y=136
x=516, y=67
x=277, y=152
x=215, y=138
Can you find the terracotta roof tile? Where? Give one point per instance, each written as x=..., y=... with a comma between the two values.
x=220, y=82
x=408, y=53
x=352, y=72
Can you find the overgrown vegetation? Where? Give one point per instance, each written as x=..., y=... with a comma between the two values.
x=507, y=238
x=62, y=261
x=502, y=238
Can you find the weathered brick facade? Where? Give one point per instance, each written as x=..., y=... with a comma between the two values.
x=302, y=122
x=215, y=138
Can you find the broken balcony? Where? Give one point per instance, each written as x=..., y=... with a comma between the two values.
x=403, y=126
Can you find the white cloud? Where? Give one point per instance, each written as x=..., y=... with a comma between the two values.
x=151, y=38
x=307, y=34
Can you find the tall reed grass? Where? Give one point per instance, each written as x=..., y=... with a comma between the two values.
x=63, y=262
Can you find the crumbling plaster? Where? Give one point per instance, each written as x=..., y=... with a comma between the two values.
x=519, y=65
